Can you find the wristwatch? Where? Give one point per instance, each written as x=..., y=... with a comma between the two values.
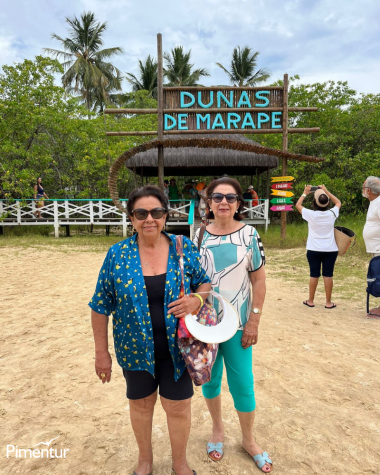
x=256, y=311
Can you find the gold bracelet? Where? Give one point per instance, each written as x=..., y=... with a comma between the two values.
x=200, y=298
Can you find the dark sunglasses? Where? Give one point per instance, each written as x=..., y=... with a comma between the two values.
x=141, y=214
x=230, y=197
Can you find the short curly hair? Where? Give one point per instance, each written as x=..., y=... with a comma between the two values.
x=236, y=186
x=144, y=191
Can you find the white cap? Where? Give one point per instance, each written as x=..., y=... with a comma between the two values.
x=250, y=187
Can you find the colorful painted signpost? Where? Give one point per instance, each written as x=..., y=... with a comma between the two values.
x=286, y=194
x=281, y=201
x=278, y=189
x=282, y=208
x=282, y=178
x=282, y=186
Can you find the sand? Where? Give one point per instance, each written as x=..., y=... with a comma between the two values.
x=317, y=381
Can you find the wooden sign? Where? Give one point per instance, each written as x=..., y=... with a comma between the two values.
x=281, y=208
x=282, y=186
x=286, y=194
x=281, y=201
x=282, y=178
x=223, y=108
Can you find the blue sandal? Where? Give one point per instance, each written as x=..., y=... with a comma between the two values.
x=261, y=459
x=218, y=447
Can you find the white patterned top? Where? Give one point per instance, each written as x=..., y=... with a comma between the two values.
x=228, y=260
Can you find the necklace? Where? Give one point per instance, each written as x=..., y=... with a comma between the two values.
x=146, y=263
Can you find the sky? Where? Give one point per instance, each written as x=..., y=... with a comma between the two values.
x=319, y=40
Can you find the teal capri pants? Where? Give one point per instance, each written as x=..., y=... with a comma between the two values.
x=238, y=362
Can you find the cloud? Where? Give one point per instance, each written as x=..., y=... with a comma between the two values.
x=316, y=39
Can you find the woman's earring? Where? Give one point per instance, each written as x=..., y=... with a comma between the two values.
x=236, y=211
x=164, y=227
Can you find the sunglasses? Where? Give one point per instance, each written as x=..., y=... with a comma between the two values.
x=230, y=197
x=141, y=214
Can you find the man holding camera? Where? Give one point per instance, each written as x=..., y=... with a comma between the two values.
x=371, y=231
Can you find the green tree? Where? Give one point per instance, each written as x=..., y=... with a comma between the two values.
x=43, y=132
x=87, y=70
x=179, y=71
x=243, y=67
x=147, y=77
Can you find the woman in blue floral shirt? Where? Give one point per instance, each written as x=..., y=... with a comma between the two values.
x=139, y=284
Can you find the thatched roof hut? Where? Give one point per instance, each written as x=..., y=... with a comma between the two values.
x=194, y=161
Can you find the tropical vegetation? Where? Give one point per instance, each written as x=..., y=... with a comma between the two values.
x=86, y=67
x=179, y=71
x=243, y=68
x=148, y=77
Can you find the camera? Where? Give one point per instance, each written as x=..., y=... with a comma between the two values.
x=314, y=188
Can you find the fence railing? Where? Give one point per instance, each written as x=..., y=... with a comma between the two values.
x=61, y=212
x=66, y=212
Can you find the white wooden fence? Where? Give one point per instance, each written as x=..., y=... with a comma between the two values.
x=103, y=212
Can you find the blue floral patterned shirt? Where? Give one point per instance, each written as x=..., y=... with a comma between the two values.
x=121, y=291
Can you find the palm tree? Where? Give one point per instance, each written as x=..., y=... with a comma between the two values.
x=242, y=70
x=85, y=64
x=178, y=69
x=148, y=77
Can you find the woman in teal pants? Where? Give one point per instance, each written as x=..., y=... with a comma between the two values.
x=233, y=257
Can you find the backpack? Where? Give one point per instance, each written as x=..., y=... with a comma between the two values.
x=373, y=279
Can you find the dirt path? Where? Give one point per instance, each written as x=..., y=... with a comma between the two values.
x=317, y=381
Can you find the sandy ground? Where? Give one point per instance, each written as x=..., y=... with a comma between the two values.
x=317, y=381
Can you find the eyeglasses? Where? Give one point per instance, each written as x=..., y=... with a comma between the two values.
x=141, y=214
x=230, y=197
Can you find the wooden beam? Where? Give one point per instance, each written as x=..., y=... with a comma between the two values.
x=215, y=110
x=284, y=148
x=126, y=134
x=130, y=111
x=223, y=88
x=216, y=131
x=160, y=102
x=211, y=110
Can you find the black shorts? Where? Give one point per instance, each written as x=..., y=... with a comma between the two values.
x=318, y=258
x=142, y=384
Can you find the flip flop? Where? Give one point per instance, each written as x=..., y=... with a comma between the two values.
x=174, y=472
x=218, y=447
x=333, y=306
x=261, y=459
x=307, y=305
x=134, y=473
x=372, y=315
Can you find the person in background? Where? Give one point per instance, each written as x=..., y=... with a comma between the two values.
x=138, y=286
x=233, y=257
x=186, y=191
x=202, y=204
x=371, y=231
x=173, y=191
x=39, y=196
x=194, y=196
x=166, y=188
x=253, y=194
x=322, y=249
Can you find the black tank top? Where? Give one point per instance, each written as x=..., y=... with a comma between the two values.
x=155, y=288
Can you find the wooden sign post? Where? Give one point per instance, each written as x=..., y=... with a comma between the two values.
x=284, y=149
x=218, y=110
x=160, y=117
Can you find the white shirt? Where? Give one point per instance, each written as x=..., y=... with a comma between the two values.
x=371, y=231
x=321, y=229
